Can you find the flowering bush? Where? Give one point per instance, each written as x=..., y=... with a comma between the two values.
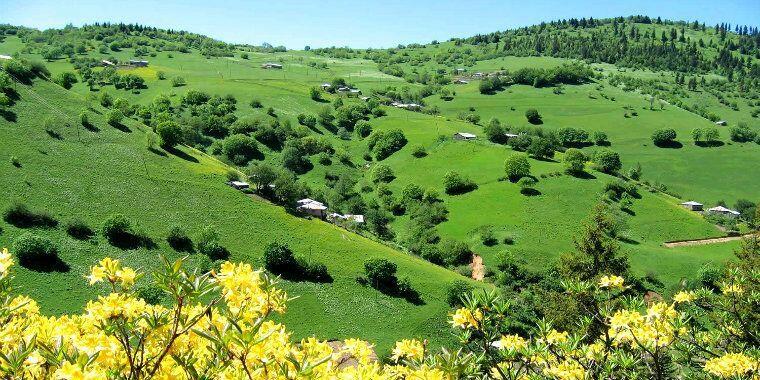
x=216, y=325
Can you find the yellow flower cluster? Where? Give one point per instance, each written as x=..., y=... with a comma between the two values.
x=684, y=297
x=732, y=365
x=612, y=282
x=512, y=343
x=245, y=294
x=111, y=270
x=465, y=318
x=408, y=349
x=727, y=288
x=655, y=329
x=566, y=370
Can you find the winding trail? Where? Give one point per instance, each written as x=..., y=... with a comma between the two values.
x=684, y=243
x=478, y=269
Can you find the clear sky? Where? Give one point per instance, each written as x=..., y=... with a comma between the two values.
x=319, y=23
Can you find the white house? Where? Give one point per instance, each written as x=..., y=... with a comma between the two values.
x=464, y=136
x=721, y=123
x=240, y=185
x=3, y=56
x=138, y=63
x=720, y=210
x=510, y=136
x=106, y=62
x=271, y=65
x=312, y=207
x=692, y=205
x=460, y=81
x=334, y=217
x=325, y=86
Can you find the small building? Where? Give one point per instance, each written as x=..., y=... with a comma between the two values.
x=478, y=75
x=355, y=91
x=460, y=70
x=692, y=205
x=335, y=217
x=239, y=185
x=312, y=207
x=461, y=81
x=720, y=210
x=722, y=123
x=3, y=56
x=138, y=63
x=106, y=62
x=271, y=65
x=510, y=136
x=325, y=86
x=364, y=98
x=464, y=136
x=344, y=89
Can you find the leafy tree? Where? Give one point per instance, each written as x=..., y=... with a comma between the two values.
x=454, y=183
x=664, y=137
x=380, y=273
x=315, y=94
x=178, y=81
x=742, y=133
x=114, y=117
x=382, y=173
x=65, y=79
x=262, y=175
x=385, y=143
x=533, y=116
x=541, y=148
x=526, y=184
x=517, y=166
x=600, y=138
x=574, y=161
x=170, y=134
x=607, y=161
x=240, y=149
x=494, y=131
x=35, y=251
x=363, y=129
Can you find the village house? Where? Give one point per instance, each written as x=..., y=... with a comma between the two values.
x=464, y=136
x=720, y=210
x=312, y=207
x=722, y=123
x=510, y=136
x=3, y=56
x=138, y=63
x=335, y=217
x=271, y=65
x=460, y=81
x=692, y=205
x=364, y=98
x=239, y=185
x=477, y=75
x=325, y=86
x=106, y=62
x=459, y=70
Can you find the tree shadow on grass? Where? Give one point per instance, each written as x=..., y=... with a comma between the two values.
x=182, y=155
x=121, y=127
x=583, y=175
x=410, y=295
x=9, y=116
x=302, y=276
x=46, y=266
x=90, y=127
x=670, y=145
x=709, y=144
x=157, y=151
x=628, y=211
x=54, y=134
x=628, y=240
x=530, y=192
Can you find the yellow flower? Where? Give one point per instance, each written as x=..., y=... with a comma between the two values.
x=731, y=289
x=408, y=349
x=731, y=365
x=567, y=370
x=465, y=318
x=611, y=282
x=511, y=343
x=5, y=263
x=127, y=276
x=683, y=297
x=556, y=337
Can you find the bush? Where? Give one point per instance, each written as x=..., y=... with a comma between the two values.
x=382, y=173
x=170, y=133
x=78, y=229
x=517, y=166
x=117, y=229
x=456, y=290
x=207, y=243
x=363, y=129
x=419, y=151
x=607, y=161
x=385, y=143
x=455, y=252
x=432, y=254
x=664, y=137
x=526, y=185
x=380, y=273
x=19, y=215
x=240, y=149
x=313, y=271
x=533, y=116
x=278, y=258
x=255, y=103
x=114, y=117
x=574, y=161
x=600, y=138
x=179, y=240
x=35, y=251
x=178, y=81
x=65, y=79
x=742, y=133
x=454, y=183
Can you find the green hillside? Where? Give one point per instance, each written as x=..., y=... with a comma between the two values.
x=617, y=77
x=91, y=174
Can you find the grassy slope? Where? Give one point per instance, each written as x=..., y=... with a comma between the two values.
x=111, y=171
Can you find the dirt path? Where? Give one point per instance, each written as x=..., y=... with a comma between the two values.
x=478, y=269
x=703, y=241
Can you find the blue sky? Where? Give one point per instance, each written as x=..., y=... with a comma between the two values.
x=356, y=23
